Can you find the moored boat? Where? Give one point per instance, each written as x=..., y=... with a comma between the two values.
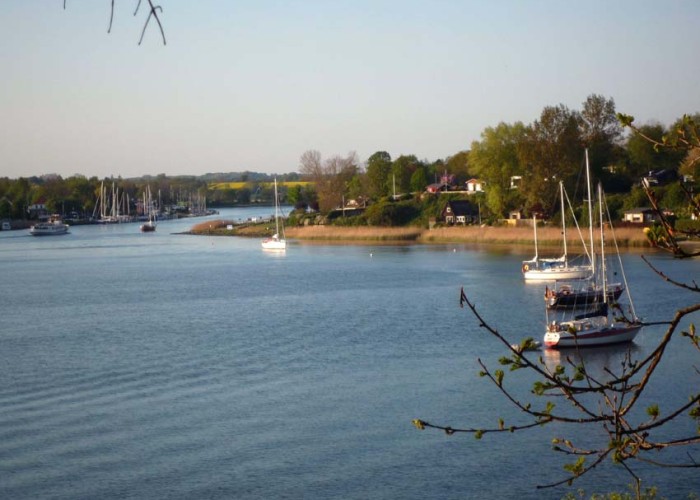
x=573, y=295
x=605, y=322
x=554, y=268
x=276, y=242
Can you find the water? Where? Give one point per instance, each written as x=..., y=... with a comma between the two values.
x=171, y=366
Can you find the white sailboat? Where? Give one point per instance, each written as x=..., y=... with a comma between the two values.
x=553, y=269
x=604, y=322
x=150, y=225
x=276, y=242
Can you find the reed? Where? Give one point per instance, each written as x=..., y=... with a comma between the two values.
x=355, y=233
x=497, y=235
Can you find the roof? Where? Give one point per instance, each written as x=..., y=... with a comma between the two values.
x=638, y=210
x=462, y=207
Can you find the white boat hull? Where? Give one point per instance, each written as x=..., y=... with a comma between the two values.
x=48, y=229
x=274, y=244
x=593, y=337
x=556, y=274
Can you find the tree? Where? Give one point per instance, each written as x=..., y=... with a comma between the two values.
x=458, y=164
x=331, y=177
x=495, y=161
x=551, y=151
x=401, y=171
x=601, y=133
x=378, y=173
x=419, y=180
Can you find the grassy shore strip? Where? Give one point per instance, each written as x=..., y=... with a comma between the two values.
x=488, y=235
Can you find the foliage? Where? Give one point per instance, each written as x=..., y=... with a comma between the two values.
x=391, y=214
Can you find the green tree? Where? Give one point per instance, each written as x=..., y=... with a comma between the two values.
x=401, y=171
x=419, y=179
x=458, y=165
x=601, y=133
x=495, y=161
x=552, y=151
x=378, y=173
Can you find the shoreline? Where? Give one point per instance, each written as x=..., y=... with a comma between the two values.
x=486, y=235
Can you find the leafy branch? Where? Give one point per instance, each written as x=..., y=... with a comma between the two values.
x=618, y=395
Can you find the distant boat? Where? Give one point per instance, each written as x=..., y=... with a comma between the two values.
x=558, y=268
x=150, y=225
x=52, y=227
x=276, y=242
x=604, y=322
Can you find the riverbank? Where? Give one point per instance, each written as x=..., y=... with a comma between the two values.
x=487, y=235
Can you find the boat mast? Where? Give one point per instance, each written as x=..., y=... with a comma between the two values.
x=563, y=223
x=590, y=213
x=277, y=224
x=534, y=224
x=602, y=245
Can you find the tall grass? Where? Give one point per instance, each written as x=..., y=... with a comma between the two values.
x=546, y=237
x=355, y=233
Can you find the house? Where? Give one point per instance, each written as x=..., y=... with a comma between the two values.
x=38, y=210
x=639, y=215
x=475, y=186
x=460, y=212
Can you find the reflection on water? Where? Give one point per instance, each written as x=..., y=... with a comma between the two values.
x=595, y=359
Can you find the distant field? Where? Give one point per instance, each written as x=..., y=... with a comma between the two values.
x=241, y=185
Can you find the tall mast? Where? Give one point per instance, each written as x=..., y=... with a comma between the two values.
x=590, y=213
x=602, y=245
x=534, y=224
x=563, y=222
x=277, y=223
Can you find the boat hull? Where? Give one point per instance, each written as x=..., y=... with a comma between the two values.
x=564, y=299
x=596, y=337
x=556, y=274
x=53, y=230
x=274, y=244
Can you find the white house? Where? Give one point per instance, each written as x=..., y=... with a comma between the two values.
x=475, y=186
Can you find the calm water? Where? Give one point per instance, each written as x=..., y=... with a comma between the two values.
x=172, y=366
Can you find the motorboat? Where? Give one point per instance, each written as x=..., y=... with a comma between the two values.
x=50, y=228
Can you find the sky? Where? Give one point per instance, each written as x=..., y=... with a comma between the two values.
x=253, y=84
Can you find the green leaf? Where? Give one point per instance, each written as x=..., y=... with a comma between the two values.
x=576, y=468
x=653, y=411
x=499, y=377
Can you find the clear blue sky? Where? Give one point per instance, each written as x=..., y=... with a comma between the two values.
x=252, y=84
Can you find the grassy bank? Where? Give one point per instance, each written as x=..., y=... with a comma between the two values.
x=626, y=237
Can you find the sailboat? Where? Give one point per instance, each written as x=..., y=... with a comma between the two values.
x=150, y=225
x=559, y=268
x=604, y=322
x=276, y=242
x=580, y=294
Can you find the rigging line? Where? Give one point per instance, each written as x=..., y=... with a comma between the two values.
x=580, y=234
x=619, y=257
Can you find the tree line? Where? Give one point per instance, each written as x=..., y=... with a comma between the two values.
x=536, y=155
